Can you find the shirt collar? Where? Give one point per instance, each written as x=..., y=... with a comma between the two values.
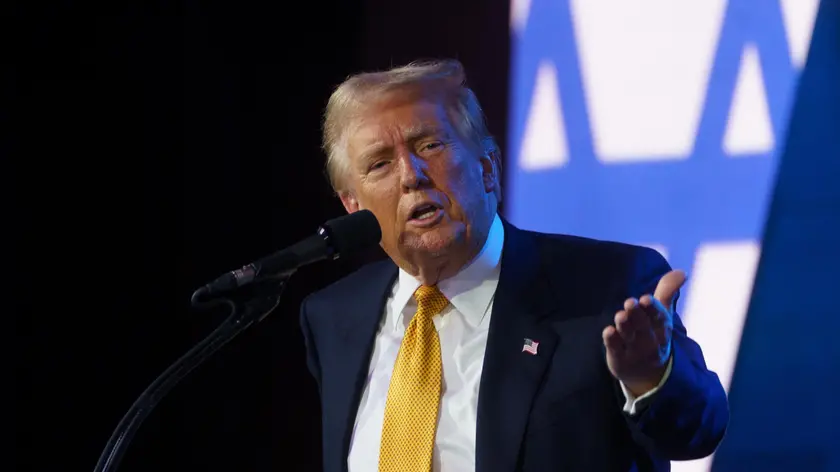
x=471, y=290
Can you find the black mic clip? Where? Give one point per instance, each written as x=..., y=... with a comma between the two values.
x=241, y=283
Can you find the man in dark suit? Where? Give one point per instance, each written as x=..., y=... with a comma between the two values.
x=480, y=346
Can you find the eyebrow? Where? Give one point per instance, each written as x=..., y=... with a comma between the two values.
x=412, y=134
x=423, y=131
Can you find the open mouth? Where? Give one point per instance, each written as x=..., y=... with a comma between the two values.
x=425, y=214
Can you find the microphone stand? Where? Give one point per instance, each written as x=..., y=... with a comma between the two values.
x=248, y=305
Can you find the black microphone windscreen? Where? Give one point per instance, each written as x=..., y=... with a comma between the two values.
x=354, y=232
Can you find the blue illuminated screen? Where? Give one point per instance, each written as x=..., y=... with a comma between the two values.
x=657, y=123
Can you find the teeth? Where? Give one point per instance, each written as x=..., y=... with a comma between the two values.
x=426, y=214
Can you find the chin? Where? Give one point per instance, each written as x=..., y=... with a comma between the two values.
x=437, y=241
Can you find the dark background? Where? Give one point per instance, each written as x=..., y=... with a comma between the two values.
x=163, y=144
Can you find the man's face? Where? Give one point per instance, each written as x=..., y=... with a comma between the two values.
x=430, y=189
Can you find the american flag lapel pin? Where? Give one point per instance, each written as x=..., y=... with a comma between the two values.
x=530, y=346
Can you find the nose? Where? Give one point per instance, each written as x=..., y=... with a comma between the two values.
x=412, y=171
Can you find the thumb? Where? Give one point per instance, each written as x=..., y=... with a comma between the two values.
x=668, y=286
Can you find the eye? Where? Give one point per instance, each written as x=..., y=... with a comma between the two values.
x=431, y=146
x=378, y=165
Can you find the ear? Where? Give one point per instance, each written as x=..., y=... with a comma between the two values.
x=351, y=204
x=490, y=170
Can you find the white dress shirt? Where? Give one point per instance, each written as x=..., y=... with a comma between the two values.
x=462, y=328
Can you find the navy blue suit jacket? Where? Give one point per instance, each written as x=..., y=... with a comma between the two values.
x=559, y=410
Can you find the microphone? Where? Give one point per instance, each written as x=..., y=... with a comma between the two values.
x=343, y=235
x=336, y=237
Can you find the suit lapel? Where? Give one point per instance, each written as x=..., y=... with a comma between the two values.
x=511, y=376
x=359, y=324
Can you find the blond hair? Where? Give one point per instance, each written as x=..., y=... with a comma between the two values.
x=445, y=78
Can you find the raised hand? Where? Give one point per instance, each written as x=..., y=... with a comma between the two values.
x=639, y=345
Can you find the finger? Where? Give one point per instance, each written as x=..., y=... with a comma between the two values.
x=613, y=341
x=668, y=287
x=660, y=318
x=638, y=318
x=656, y=311
x=623, y=326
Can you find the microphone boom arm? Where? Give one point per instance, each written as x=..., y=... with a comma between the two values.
x=243, y=315
x=257, y=284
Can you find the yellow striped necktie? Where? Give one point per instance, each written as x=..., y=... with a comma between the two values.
x=411, y=410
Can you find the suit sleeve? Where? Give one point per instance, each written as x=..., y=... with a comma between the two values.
x=687, y=417
x=309, y=343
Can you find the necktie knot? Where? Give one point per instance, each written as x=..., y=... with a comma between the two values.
x=430, y=300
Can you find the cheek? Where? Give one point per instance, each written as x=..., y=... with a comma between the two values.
x=382, y=199
x=462, y=183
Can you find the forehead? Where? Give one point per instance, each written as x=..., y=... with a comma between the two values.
x=393, y=120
